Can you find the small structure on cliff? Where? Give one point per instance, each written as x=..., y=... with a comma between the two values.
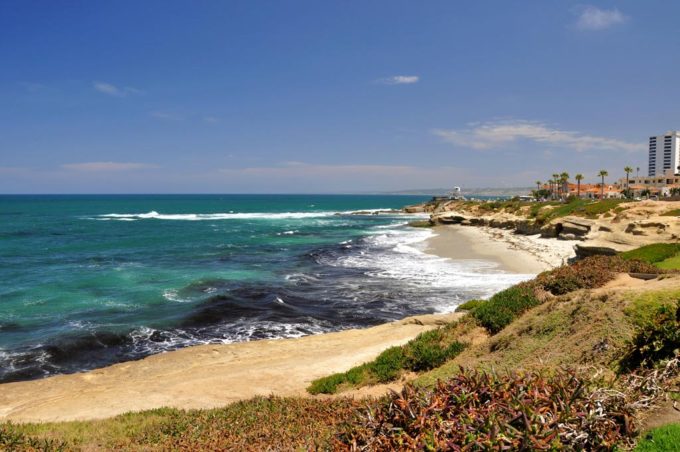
x=456, y=194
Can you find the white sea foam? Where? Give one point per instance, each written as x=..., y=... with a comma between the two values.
x=239, y=216
x=399, y=254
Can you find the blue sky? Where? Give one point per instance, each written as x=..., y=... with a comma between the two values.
x=322, y=96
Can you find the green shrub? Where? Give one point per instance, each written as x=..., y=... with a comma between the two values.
x=505, y=306
x=657, y=337
x=590, y=273
x=428, y=351
x=388, y=365
x=327, y=385
x=654, y=253
x=469, y=305
x=666, y=438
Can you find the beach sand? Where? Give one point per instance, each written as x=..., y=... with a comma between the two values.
x=209, y=376
x=514, y=253
x=205, y=376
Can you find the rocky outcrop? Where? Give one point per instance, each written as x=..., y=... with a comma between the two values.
x=629, y=226
x=593, y=250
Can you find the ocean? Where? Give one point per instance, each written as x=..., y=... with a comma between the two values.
x=87, y=281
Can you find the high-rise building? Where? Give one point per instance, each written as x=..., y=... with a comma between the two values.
x=664, y=153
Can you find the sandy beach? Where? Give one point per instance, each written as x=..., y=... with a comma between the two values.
x=214, y=375
x=514, y=253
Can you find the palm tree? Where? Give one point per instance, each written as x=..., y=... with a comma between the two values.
x=602, y=174
x=579, y=178
x=538, y=185
x=628, y=170
x=564, y=178
x=555, y=178
x=637, y=173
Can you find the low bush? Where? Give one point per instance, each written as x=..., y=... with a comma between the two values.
x=482, y=411
x=388, y=365
x=653, y=253
x=505, y=306
x=590, y=273
x=469, y=305
x=427, y=351
x=657, y=337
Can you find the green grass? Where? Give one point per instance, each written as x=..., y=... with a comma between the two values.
x=672, y=213
x=653, y=254
x=672, y=263
x=428, y=350
x=272, y=423
x=666, y=438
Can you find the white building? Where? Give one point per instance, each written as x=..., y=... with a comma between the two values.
x=664, y=153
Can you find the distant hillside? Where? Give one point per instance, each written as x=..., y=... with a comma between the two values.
x=484, y=191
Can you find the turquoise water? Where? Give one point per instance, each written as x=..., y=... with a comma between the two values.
x=86, y=281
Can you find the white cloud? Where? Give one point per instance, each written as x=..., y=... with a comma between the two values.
x=593, y=18
x=112, y=90
x=492, y=135
x=399, y=80
x=107, y=166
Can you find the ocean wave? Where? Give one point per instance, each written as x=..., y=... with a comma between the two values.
x=241, y=216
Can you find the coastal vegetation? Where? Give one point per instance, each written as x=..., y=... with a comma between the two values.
x=662, y=255
x=551, y=363
x=433, y=348
x=427, y=351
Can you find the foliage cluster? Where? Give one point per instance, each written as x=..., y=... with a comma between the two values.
x=590, y=273
x=502, y=308
x=482, y=411
x=427, y=351
x=469, y=305
x=657, y=337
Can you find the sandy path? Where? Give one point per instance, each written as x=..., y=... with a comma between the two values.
x=205, y=376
